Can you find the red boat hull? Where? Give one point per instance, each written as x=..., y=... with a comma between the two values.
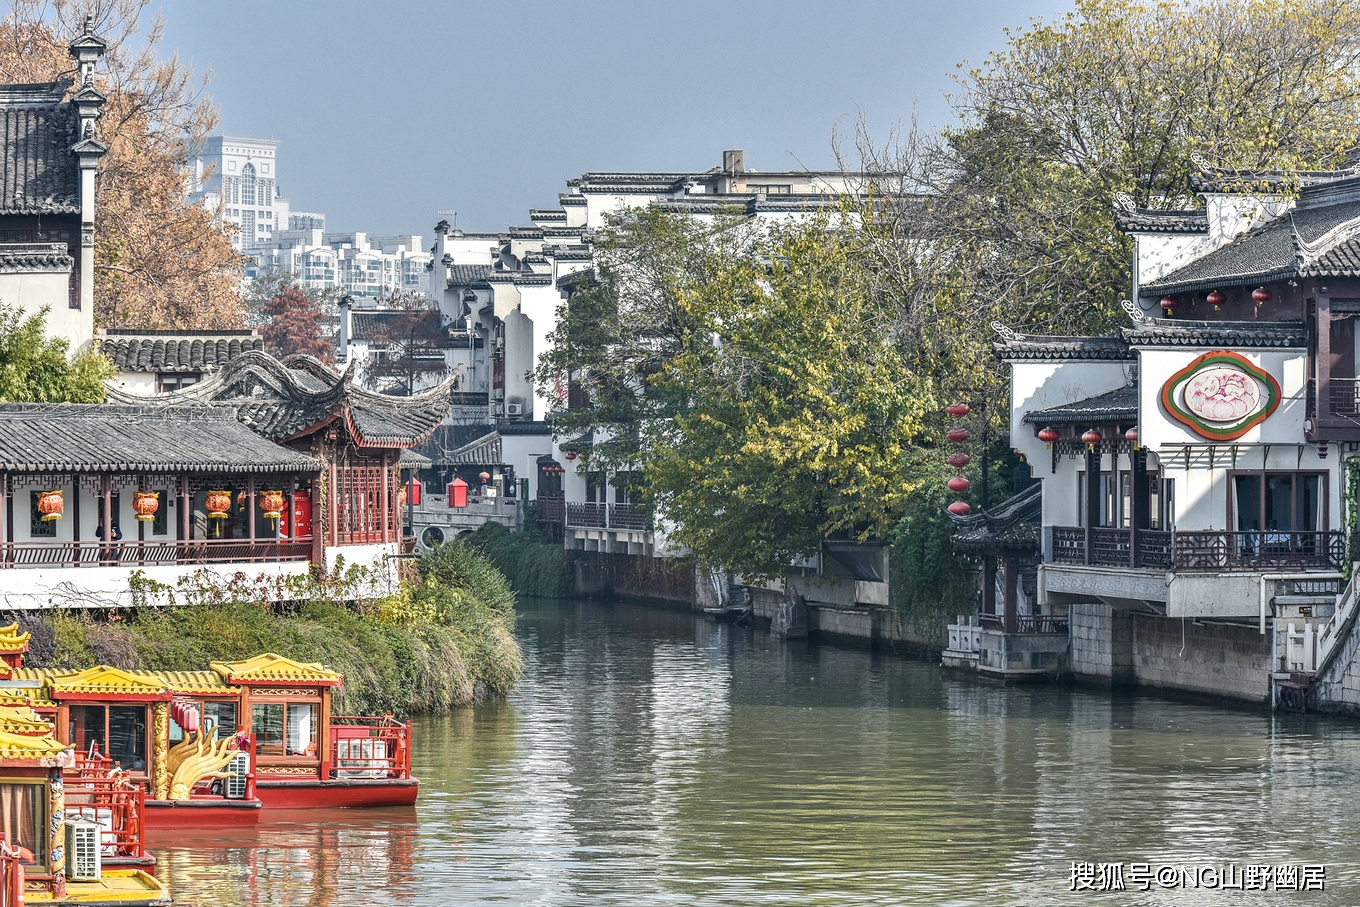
x=318, y=794
x=206, y=813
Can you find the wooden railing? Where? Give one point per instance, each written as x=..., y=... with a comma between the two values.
x=587, y=516
x=1209, y=550
x=150, y=553
x=552, y=508
x=365, y=746
x=626, y=516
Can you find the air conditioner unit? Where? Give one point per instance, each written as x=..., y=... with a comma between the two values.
x=83, y=862
x=514, y=409
x=234, y=785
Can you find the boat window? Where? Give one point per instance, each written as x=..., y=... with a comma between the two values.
x=223, y=717
x=266, y=723
x=127, y=736
x=23, y=820
x=85, y=729
x=301, y=729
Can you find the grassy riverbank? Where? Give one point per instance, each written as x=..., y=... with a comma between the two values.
x=532, y=560
x=440, y=641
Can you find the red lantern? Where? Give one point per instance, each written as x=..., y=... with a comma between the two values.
x=570, y=455
x=957, y=435
x=271, y=504
x=145, y=504
x=51, y=504
x=1216, y=299
x=959, y=508
x=957, y=410
x=958, y=459
x=218, y=504
x=1048, y=436
x=485, y=477
x=1169, y=304
x=1132, y=436
x=1262, y=295
x=959, y=484
x=1091, y=438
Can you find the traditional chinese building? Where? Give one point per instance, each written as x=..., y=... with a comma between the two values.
x=1194, y=465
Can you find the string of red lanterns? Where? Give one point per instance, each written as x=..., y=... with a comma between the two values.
x=958, y=459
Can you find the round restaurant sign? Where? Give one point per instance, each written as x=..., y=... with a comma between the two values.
x=1221, y=395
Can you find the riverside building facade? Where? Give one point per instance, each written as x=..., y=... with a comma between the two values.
x=1195, y=519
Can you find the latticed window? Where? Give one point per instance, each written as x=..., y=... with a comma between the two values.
x=358, y=502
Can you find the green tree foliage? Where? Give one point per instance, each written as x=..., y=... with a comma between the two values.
x=34, y=368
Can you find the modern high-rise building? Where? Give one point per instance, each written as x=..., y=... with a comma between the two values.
x=237, y=178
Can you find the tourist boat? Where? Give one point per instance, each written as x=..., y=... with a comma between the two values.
x=53, y=848
x=212, y=748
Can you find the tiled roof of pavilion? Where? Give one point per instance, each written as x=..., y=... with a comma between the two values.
x=296, y=397
x=1119, y=405
x=176, y=351
x=1151, y=220
x=1319, y=237
x=1016, y=346
x=69, y=437
x=271, y=668
x=39, y=174
x=1012, y=525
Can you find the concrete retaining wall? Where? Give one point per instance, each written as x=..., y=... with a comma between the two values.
x=1117, y=647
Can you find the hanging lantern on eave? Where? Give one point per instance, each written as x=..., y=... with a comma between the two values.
x=957, y=435
x=1216, y=299
x=958, y=410
x=570, y=455
x=958, y=459
x=1049, y=436
x=1132, y=436
x=51, y=504
x=218, y=504
x=145, y=504
x=271, y=504
x=1091, y=438
x=959, y=508
x=1169, y=304
x=959, y=484
x=1261, y=296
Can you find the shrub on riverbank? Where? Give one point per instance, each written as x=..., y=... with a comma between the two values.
x=434, y=644
x=533, y=561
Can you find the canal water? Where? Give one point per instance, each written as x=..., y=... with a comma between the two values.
x=652, y=758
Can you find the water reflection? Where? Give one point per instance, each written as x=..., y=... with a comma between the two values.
x=650, y=758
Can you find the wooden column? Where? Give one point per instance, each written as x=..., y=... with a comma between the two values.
x=7, y=492
x=1092, y=496
x=288, y=516
x=332, y=506
x=988, y=584
x=1012, y=598
x=106, y=514
x=160, y=750
x=75, y=513
x=141, y=526
x=1142, y=503
x=250, y=506
x=1324, y=358
x=185, y=508
x=385, y=500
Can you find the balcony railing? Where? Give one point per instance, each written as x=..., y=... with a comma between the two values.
x=1190, y=551
x=552, y=508
x=151, y=553
x=1025, y=623
x=607, y=516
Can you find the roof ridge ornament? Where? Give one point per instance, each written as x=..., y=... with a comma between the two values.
x=1136, y=315
x=1005, y=333
x=1125, y=202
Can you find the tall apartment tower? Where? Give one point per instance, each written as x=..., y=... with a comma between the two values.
x=238, y=179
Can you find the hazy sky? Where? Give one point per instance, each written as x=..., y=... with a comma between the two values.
x=388, y=112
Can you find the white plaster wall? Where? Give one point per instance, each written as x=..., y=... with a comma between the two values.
x=143, y=383
x=30, y=292
x=539, y=305
x=522, y=453
x=1157, y=254
x=519, y=358
x=25, y=589
x=379, y=559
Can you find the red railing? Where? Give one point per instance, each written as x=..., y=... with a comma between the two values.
x=11, y=877
x=151, y=553
x=365, y=746
x=116, y=803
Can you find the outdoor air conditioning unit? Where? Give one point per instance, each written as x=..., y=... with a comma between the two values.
x=514, y=409
x=83, y=862
x=234, y=785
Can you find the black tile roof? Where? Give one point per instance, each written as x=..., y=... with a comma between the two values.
x=1012, y=526
x=1113, y=406
x=647, y=183
x=1013, y=346
x=177, y=351
x=1313, y=239
x=299, y=396
x=1149, y=220
x=45, y=437
x=467, y=275
x=378, y=325
x=1181, y=332
x=31, y=257
x=447, y=438
x=38, y=172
